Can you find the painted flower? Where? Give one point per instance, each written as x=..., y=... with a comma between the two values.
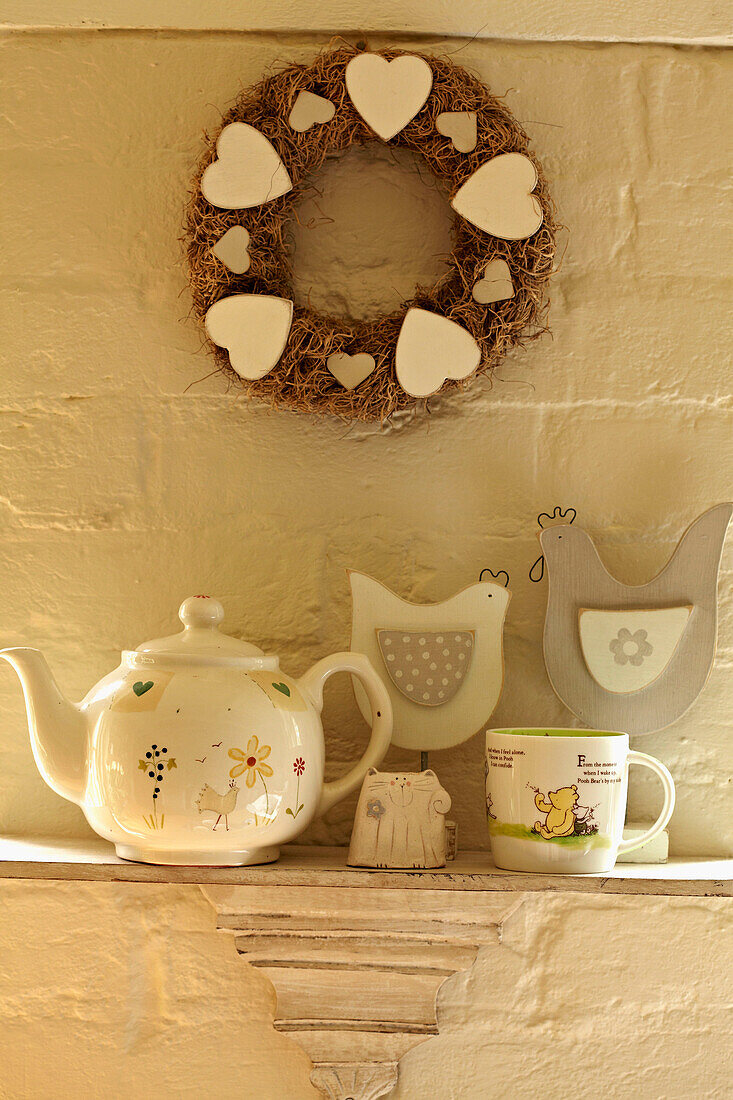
x=375, y=809
x=251, y=761
x=299, y=765
x=630, y=648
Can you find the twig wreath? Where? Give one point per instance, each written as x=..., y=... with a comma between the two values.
x=281, y=130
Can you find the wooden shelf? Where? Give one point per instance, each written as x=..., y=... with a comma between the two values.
x=356, y=956
x=95, y=860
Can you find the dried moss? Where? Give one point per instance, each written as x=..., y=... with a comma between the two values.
x=301, y=380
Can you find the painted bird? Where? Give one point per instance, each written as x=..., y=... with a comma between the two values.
x=632, y=658
x=221, y=804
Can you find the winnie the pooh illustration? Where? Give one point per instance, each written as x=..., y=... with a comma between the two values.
x=560, y=820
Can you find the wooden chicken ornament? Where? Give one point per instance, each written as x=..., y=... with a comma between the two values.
x=632, y=658
x=443, y=666
x=442, y=663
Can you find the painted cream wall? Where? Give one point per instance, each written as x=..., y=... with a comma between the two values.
x=126, y=991
x=122, y=491
x=130, y=480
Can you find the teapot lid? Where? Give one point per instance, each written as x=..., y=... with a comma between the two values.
x=201, y=636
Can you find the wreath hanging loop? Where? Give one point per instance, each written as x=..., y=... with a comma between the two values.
x=276, y=135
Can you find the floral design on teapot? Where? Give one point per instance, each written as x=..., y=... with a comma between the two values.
x=298, y=768
x=252, y=761
x=154, y=763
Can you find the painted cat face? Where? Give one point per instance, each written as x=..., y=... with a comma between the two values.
x=401, y=787
x=400, y=790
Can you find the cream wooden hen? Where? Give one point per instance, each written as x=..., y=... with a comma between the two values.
x=442, y=663
x=632, y=658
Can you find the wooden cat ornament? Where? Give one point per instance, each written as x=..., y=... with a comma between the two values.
x=400, y=821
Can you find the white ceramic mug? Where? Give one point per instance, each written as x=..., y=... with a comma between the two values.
x=556, y=798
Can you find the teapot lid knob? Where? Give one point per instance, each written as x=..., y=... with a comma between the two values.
x=201, y=611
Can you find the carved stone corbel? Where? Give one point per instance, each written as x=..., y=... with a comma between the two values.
x=357, y=968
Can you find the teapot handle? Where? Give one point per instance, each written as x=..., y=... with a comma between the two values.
x=381, y=706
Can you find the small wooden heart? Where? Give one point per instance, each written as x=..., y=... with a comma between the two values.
x=231, y=249
x=496, y=284
x=308, y=110
x=350, y=370
x=140, y=688
x=460, y=127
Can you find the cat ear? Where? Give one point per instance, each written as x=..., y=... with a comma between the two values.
x=372, y=771
x=430, y=772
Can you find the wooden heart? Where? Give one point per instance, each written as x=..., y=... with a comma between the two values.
x=428, y=667
x=308, y=110
x=248, y=170
x=388, y=94
x=496, y=284
x=460, y=127
x=430, y=349
x=498, y=198
x=350, y=370
x=231, y=249
x=254, y=328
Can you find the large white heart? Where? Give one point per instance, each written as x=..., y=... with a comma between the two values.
x=254, y=328
x=388, y=94
x=248, y=170
x=498, y=198
x=430, y=349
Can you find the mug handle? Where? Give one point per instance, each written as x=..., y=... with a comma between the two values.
x=668, y=785
x=381, y=706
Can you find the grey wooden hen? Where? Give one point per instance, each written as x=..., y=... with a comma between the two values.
x=652, y=674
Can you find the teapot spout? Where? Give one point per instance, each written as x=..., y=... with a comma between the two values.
x=57, y=727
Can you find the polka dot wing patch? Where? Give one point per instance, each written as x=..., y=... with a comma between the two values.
x=427, y=667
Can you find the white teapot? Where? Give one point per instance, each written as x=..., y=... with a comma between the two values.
x=197, y=749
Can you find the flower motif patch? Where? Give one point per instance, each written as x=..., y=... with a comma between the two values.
x=628, y=648
x=375, y=809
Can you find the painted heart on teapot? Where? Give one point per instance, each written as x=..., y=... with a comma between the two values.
x=254, y=328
